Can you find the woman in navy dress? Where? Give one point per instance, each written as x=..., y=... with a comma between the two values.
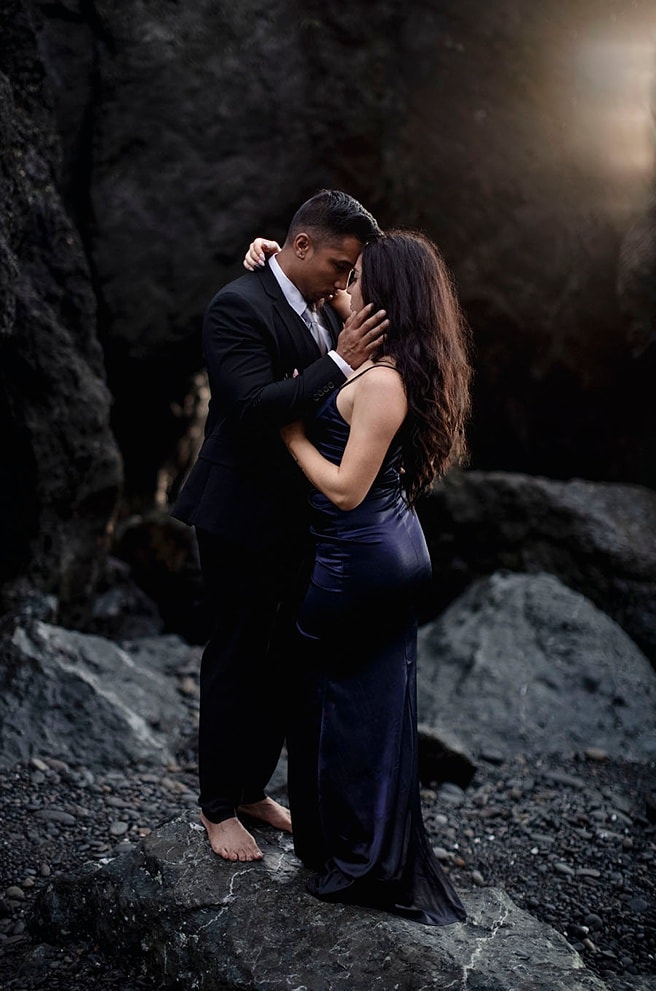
x=375, y=447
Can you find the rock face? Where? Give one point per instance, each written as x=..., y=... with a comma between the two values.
x=61, y=469
x=598, y=539
x=83, y=697
x=522, y=664
x=193, y=920
x=557, y=264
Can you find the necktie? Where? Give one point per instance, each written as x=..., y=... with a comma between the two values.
x=311, y=320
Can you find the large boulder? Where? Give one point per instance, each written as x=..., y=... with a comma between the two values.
x=520, y=664
x=87, y=699
x=189, y=919
x=599, y=539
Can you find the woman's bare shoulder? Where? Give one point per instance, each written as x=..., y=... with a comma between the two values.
x=382, y=375
x=382, y=383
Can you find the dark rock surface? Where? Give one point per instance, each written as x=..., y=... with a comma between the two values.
x=214, y=925
x=522, y=664
x=120, y=702
x=599, y=539
x=570, y=840
x=61, y=468
x=562, y=840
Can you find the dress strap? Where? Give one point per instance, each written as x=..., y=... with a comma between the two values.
x=379, y=364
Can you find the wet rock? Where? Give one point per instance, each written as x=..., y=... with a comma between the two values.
x=171, y=903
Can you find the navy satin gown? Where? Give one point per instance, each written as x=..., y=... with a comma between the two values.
x=353, y=776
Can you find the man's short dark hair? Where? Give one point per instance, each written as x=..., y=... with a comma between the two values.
x=331, y=214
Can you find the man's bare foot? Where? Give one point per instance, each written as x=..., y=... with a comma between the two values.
x=270, y=812
x=230, y=840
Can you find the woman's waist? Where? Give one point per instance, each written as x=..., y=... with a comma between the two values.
x=372, y=516
x=380, y=499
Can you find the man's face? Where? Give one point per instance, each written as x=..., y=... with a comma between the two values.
x=325, y=267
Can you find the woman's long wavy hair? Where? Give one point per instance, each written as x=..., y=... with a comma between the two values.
x=404, y=273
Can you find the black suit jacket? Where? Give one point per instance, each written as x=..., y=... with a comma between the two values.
x=245, y=485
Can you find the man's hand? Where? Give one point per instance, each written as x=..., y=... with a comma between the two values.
x=363, y=332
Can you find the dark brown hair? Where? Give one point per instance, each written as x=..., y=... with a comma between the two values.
x=403, y=272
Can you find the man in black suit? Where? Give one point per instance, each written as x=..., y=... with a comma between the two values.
x=264, y=338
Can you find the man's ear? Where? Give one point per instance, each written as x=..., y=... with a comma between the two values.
x=302, y=244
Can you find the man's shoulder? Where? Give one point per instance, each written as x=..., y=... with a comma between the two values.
x=255, y=287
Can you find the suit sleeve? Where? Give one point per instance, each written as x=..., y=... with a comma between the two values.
x=247, y=377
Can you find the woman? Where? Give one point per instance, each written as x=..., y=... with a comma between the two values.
x=375, y=447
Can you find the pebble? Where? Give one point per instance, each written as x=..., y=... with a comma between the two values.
x=638, y=905
x=55, y=815
x=596, y=753
x=441, y=853
x=561, y=778
x=564, y=869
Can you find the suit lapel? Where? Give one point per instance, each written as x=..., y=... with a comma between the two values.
x=302, y=339
x=303, y=346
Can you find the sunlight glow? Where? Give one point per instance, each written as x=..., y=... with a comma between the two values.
x=614, y=89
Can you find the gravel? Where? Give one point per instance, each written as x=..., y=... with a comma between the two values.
x=571, y=839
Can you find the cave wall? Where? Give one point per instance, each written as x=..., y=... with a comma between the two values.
x=61, y=468
x=518, y=135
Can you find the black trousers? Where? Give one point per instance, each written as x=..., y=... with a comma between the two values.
x=251, y=602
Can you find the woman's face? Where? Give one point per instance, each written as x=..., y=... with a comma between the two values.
x=353, y=287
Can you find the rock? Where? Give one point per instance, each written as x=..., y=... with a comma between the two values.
x=522, y=664
x=58, y=687
x=650, y=807
x=598, y=539
x=442, y=758
x=187, y=915
x=64, y=470
x=162, y=555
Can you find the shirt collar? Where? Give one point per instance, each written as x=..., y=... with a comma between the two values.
x=290, y=292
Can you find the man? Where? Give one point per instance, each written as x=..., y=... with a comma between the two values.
x=263, y=344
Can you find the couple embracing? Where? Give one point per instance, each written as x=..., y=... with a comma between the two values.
x=339, y=375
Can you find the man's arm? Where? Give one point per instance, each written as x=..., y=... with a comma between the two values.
x=240, y=353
